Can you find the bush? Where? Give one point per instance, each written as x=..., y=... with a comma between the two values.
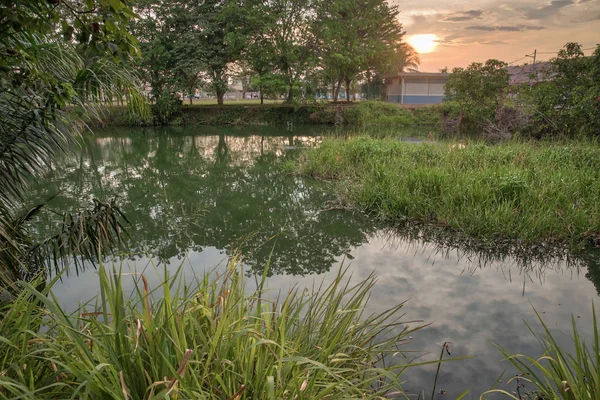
x=166, y=108
x=567, y=100
x=477, y=90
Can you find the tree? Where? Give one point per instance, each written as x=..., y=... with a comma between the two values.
x=405, y=57
x=242, y=71
x=565, y=99
x=56, y=54
x=170, y=34
x=354, y=35
x=478, y=90
x=289, y=38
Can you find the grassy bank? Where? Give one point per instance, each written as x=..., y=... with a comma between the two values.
x=207, y=339
x=352, y=114
x=526, y=192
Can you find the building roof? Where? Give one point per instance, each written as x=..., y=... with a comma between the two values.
x=530, y=73
x=418, y=74
x=533, y=73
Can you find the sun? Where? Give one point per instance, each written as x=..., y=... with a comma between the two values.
x=424, y=43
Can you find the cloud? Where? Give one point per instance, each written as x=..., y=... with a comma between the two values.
x=505, y=28
x=495, y=42
x=596, y=18
x=548, y=10
x=461, y=16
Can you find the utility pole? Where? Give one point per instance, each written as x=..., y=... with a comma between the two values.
x=534, y=70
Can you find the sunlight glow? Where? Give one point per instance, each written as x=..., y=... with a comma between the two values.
x=424, y=43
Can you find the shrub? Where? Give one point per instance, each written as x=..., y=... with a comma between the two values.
x=567, y=100
x=167, y=106
x=478, y=91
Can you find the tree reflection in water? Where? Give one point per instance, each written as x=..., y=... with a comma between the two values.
x=225, y=188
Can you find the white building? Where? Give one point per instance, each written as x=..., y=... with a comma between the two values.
x=416, y=87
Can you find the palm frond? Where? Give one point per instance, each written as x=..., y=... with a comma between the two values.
x=49, y=84
x=84, y=236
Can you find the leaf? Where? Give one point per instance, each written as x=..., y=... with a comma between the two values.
x=115, y=4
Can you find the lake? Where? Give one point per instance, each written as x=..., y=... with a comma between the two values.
x=194, y=194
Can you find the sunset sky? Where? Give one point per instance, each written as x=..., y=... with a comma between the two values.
x=466, y=31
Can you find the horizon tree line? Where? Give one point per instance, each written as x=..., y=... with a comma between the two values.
x=280, y=48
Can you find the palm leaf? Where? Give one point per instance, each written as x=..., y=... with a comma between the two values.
x=48, y=83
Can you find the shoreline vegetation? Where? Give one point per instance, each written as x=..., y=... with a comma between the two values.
x=524, y=192
x=209, y=338
x=339, y=114
x=215, y=338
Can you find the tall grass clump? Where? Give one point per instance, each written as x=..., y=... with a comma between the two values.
x=558, y=374
x=209, y=340
x=526, y=192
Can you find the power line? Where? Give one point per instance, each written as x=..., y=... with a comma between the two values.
x=517, y=60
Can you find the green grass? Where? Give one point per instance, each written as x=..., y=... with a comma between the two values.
x=557, y=374
x=525, y=192
x=207, y=340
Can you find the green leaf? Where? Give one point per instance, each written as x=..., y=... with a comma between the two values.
x=115, y=4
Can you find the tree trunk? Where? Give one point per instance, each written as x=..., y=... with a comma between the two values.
x=243, y=93
x=337, y=91
x=347, y=90
x=332, y=91
x=220, y=96
x=191, y=97
x=290, y=96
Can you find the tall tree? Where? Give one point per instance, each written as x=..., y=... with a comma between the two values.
x=354, y=34
x=170, y=35
x=291, y=40
x=404, y=57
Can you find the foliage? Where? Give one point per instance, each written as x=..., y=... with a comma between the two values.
x=291, y=41
x=272, y=86
x=355, y=36
x=166, y=107
x=566, y=101
x=209, y=339
x=405, y=57
x=522, y=192
x=557, y=374
x=358, y=114
x=171, y=62
x=478, y=90
x=42, y=74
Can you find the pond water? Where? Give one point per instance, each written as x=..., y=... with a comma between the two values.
x=194, y=194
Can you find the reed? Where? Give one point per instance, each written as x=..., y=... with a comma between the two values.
x=210, y=339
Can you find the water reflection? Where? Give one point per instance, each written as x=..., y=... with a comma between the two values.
x=201, y=193
x=185, y=193
x=528, y=264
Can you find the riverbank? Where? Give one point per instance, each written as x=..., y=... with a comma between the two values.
x=523, y=192
x=347, y=114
